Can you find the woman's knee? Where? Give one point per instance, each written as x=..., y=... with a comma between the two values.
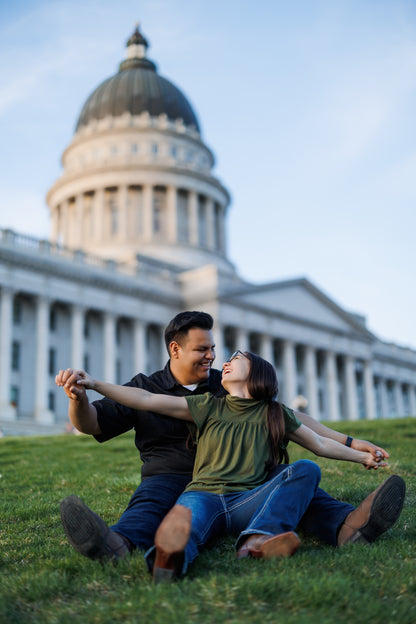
x=308, y=469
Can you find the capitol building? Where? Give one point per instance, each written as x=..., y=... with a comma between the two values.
x=138, y=234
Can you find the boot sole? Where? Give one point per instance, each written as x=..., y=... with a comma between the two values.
x=384, y=512
x=83, y=530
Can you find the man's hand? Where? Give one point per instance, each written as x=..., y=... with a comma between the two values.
x=67, y=379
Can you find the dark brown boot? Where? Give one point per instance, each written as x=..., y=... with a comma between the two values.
x=88, y=533
x=375, y=515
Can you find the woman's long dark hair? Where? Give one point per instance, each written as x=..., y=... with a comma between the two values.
x=262, y=384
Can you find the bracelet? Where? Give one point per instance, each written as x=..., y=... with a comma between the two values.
x=348, y=441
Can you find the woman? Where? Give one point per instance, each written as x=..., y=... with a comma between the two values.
x=240, y=438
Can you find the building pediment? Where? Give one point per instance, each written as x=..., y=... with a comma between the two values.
x=302, y=301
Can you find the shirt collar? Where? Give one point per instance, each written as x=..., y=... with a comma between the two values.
x=170, y=381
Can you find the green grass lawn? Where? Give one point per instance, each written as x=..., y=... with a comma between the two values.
x=43, y=580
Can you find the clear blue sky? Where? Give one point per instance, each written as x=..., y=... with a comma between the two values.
x=308, y=105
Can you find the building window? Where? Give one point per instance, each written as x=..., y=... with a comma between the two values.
x=14, y=396
x=112, y=210
x=114, y=219
x=52, y=361
x=183, y=217
x=173, y=151
x=52, y=319
x=134, y=148
x=51, y=401
x=154, y=148
x=114, y=150
x=15, y=355
x=17, y=311
x=202, y=221
x=159, y=207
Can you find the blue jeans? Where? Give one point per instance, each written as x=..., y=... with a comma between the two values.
x=275, y=507
x=156, y=495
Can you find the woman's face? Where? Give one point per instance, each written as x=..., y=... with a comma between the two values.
x=236, y=369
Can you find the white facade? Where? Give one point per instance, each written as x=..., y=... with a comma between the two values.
x=138, y=234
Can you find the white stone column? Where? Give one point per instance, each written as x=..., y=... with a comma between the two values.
x=412, y=400
x=63, y=234
x=331, y=382
x=351, y=407
x=77, y=336
x=78, y=223
x=172, y=212
x=55, y=224
x=266, y=348
x=311, y=382
x=122, y=202
x=370, y=408
x=42, y=414
x=147, y=212
x=109, y=347
x=398, y=399
x=218, y=333
x=140, y=354
x=385, y=410
x=99, y=215
x=241, y=339
x=209, y=207
x=7, y=411
x=193, y=218
x=289, y=368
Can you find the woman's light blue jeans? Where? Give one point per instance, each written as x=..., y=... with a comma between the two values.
x=272, y=508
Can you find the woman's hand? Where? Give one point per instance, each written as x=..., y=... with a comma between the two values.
x=377, y=452
x=372, y=463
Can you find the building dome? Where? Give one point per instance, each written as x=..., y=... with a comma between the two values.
x=137, y=88
x=137, y=177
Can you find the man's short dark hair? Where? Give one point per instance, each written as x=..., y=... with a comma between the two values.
x=183, y=322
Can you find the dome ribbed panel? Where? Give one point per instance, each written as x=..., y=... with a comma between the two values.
x=137, y=90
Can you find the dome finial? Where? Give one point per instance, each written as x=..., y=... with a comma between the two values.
x=137, y=39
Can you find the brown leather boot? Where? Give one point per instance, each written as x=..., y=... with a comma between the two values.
x=264, y=547
x=170, y=540
x=377, y=513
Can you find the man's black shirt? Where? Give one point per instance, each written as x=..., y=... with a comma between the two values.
x=161, y=440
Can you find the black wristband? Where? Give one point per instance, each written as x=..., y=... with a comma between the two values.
x=348, y=441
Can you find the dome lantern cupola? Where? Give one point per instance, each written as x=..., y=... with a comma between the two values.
x=137, y=47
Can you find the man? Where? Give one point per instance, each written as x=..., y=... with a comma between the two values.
x=167, y=453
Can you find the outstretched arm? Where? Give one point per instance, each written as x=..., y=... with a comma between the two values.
x=326, y=432
x=326, y=447
x=137, y=398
